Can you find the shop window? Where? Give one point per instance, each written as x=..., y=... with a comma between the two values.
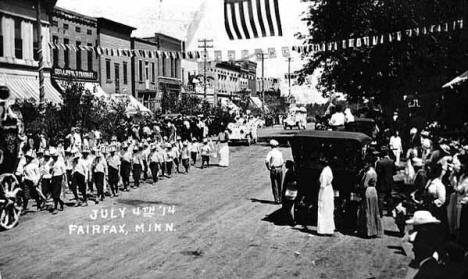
x=140, y=70
x=108, y=70
x=55, y=53
x=78, y=56
x=66, y=53
x=90, y=58
x=125, y=73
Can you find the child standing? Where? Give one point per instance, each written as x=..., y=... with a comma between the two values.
x=194, y=150
x=185, y=156
x=205, y=151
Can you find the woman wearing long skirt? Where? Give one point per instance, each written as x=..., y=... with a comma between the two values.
x=224, y=149
x=463, y=190
x=369, y=222
x=326, y=204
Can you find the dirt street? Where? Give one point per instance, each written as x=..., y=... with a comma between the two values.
x=208, y=224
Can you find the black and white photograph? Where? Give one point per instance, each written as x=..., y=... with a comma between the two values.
x=244, y=139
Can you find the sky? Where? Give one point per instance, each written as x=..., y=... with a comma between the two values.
x=191, y=20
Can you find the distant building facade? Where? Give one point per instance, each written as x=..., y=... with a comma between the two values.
x=231, y=79
x=114, y=65
x=170, y=70
x=19, y=46
x=79, y=32
x=145, y=74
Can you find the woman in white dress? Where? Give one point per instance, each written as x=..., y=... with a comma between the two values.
x=223, y=149
x=326, y=204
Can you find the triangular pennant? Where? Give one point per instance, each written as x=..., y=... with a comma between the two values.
x=366, y=41
x=409, y=32
x=375, y=40
x=358, y=42
x=344, y=44
x=398, y=35
x=351, y=42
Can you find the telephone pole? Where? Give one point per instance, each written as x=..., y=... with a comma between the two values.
x=205, y=44
x=289, y=74
x=39, y=52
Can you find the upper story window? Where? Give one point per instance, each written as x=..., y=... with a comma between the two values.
x=65, y=26
x=54, y=23
x=89, y=32
x=78, y=29
x=18, y=40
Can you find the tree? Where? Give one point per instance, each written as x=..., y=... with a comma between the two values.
x=416, y=65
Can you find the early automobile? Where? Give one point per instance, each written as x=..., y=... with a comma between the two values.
x=241, y=132
x=345, y=151
x=297, y=117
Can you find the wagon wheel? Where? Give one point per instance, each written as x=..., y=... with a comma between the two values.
x=11, y=203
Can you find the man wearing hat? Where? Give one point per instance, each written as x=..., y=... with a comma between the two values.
x=58, y=171
x=99, y=171
x=169, y=159
x=274, y=163
x=44, y=161
x=137, y=165
x=185, y=156
x=80, y=176
x=126, y=166
x=385, y=168
x=31, y=177
x=194, y=148
x=155, y=161
x=113, y=164
x=145, y=154
x=427, y=243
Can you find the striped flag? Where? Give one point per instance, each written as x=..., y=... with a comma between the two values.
x=249, y=19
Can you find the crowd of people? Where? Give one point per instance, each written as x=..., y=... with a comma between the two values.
x=421, y=181
x=91, y=168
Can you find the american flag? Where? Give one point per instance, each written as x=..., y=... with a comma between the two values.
x=249, y=19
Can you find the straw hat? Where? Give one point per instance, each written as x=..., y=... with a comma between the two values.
x=422, y=217
x=445, y=148
x=53, y=152
x=417, y=162
x=413, y=131
x=274, y=143
x=85, y=151
x=29, y=154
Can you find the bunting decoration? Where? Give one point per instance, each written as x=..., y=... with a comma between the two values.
x=374, y=40
x=271, y=52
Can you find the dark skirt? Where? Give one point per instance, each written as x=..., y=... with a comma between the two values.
x=464, y=226
x=369, y=221
x=56, y=186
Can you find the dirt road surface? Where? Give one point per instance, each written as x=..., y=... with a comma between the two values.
x=217, y=230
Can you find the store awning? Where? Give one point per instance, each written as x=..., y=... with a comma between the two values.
x=134, y=106
x=27, y=87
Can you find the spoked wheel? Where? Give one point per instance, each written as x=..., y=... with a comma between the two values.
x=11, y=203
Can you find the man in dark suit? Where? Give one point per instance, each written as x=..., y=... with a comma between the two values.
x=385, y=168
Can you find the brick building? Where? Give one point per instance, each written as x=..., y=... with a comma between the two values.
x=170, y=70
x=230, y=79
x=145, y=74
x=114, y=70
x=77, y=65
x=19, y=46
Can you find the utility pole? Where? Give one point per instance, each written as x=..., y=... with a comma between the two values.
x=205, y=44
x=39, y=52
x=263, y=82
x=289, y=75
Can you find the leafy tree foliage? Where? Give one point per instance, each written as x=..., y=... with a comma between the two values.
x=415, y=65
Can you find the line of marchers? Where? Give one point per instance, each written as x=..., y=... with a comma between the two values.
x=93, y=229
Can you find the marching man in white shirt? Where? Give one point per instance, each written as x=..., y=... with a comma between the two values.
x=274, y=163
x=31, y=177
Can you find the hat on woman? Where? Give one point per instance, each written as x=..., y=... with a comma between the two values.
x=422, y=217
x=53, y=152
x=274, y=143
x=29, y=154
